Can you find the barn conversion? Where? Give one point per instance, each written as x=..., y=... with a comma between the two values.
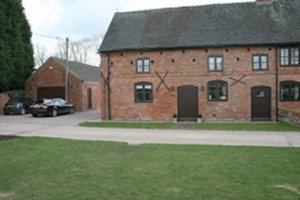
x=227, y=62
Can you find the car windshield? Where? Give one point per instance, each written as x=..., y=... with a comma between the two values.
x=57, y=102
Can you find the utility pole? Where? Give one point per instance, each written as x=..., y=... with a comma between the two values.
x=67, y=71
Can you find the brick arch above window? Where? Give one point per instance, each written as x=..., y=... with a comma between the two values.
x=143, y=92
x=217, y=90
x=289, y=91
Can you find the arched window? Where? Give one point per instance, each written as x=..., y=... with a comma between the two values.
x=143, y=92
x=289, y=91
x=217, y=90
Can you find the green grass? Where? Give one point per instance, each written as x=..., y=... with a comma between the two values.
x=204, y=126
x=47, y=169
x=146, y=125
x=248, y=126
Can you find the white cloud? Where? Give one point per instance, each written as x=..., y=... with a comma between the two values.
x=79, y=19
x=43, y=14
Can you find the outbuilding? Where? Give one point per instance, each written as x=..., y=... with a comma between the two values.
x=48, y=81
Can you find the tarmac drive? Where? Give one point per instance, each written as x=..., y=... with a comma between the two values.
x=66, y=126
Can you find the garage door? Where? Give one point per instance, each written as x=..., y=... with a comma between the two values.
x=51, y=92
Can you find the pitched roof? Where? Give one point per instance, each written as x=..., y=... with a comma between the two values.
x=237, y=24
x=83, y=72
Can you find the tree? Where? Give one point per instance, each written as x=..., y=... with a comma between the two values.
x=82, y=51
x=40, y=55
x=16, y=52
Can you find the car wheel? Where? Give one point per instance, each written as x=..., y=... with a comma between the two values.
x=22, y=111
x=54, y=112
x=34, y=115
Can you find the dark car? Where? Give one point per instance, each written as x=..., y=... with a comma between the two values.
x=19, y=106
x=51, y=107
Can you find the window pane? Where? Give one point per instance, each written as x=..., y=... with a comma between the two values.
x=146, y=65
x=143, y=92
x=297, y=91
x=146, y=68
x=211, y=64
x=139, y=96
x=146, y=62
x=284, y=92
x=212, y=91
x=255, y=59
x=217, y=91
x=219, y=63
x=264, y=65
x=148, y=96
x=148, y=87
x=263, y=59
x=140, y=63
x=290, y=91
x=222, y=91
x=264, y=62
x=139, y=87
x=284, y=56
x=255, y=62
x=143, y=65
x=139, y=69
x=295, y=56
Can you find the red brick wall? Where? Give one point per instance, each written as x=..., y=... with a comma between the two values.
x=95, y=88
x=189, y=68
x=51, y=74
x=3, y=100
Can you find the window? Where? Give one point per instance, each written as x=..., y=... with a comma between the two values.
x=143, y=65
x=143, y=92
x=290, y=56
x=217, y=91
x=260, y=62
x=290, y=91
x=215, y=63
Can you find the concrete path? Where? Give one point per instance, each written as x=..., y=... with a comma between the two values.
x=67, y=127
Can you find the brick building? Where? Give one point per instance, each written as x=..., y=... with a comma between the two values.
x=229, y=62
x=49, y=82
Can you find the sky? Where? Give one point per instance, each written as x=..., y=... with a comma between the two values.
x=78, y=19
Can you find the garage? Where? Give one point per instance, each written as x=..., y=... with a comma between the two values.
x=48, y=81
x=51, y=92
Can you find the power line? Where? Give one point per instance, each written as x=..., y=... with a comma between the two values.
x=49, y=36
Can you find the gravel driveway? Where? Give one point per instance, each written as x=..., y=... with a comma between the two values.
x=66, y=126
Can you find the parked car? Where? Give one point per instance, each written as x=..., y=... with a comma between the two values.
x=51, y=107
x=19, y=106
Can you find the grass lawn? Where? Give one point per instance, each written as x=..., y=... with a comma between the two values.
x=147, y=125
x=204, y=126
x=249, y=126
x=42, y=169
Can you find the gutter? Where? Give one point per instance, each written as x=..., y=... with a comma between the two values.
x=276, y=88
x=108, y=87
